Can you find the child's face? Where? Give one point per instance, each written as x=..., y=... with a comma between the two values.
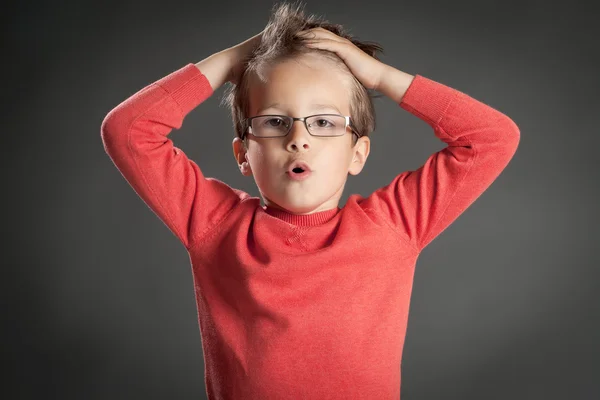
x=296, y=85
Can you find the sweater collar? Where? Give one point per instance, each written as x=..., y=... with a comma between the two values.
x=316, y=218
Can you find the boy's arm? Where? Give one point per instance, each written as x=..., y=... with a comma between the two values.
x=135, y=136
x=481, y=141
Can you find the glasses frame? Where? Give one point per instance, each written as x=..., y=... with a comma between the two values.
x=248, y=125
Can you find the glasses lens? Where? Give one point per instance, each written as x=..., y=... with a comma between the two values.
x=326, y=125
x=270, y=125
x=318, y=125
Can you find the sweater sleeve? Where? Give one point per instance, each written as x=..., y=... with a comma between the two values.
x=135, y=136
x=480, y=141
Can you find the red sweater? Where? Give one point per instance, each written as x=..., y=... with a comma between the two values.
x=305, y=306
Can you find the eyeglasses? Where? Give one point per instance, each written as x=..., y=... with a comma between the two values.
x=322, y=125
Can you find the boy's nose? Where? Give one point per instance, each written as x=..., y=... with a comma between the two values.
x=298, y=136
x=299, y=125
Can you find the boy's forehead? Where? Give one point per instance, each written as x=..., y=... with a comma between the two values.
x=309, y=84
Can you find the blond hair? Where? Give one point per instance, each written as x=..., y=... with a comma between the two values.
x=279, y=43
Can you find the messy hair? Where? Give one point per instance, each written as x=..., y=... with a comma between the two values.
x=279, y=43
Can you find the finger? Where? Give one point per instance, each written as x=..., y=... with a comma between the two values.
x=325, y=33
x=330, y=45
x=320, y=33
x=327, y=44
x=313, y=34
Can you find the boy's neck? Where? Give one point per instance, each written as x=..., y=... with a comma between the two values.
x=316, y=218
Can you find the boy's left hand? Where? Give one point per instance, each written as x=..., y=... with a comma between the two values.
x=365, y=68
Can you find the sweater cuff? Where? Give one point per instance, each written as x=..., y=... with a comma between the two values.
x=187, y=86
x=427, y=99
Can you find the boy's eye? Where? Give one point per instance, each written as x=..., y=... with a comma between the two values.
x=274, y=122
x=322, y=122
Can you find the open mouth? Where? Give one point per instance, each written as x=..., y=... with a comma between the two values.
x=299, y=174
x=299, y=170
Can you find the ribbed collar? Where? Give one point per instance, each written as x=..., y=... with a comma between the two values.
x=317, y=218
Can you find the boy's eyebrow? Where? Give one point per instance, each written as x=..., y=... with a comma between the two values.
x=314, y=106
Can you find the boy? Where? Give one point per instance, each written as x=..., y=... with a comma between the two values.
x=299, y=298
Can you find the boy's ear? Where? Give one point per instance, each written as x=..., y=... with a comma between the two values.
x=239, y=153
x=361, y=153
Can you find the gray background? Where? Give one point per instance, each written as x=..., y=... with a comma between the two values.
x=98, y=295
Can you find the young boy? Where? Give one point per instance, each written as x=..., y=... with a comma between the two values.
x=299, y=298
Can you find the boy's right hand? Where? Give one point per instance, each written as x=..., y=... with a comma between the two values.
x=227, y=65
x=238, y=54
